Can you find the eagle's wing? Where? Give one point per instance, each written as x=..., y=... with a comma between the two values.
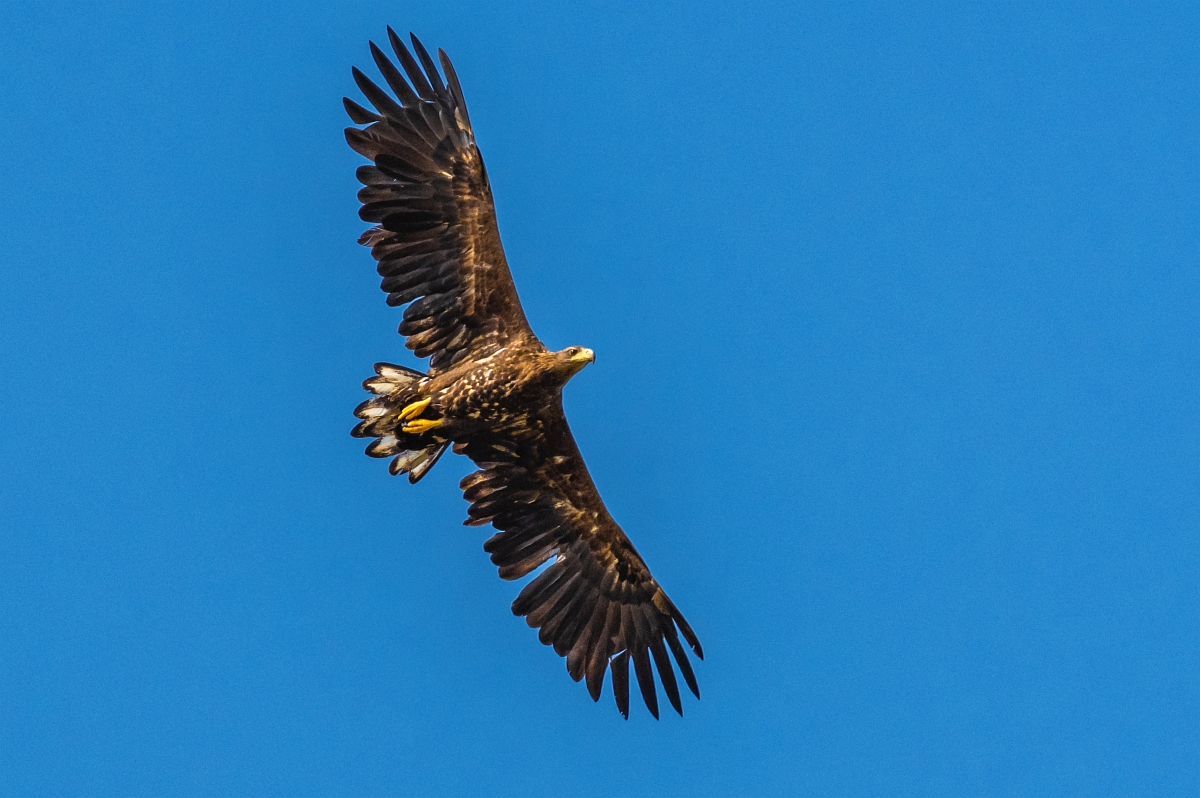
x=597, y=602
x=428, y=191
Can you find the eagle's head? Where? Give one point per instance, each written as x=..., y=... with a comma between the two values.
x=570, y=360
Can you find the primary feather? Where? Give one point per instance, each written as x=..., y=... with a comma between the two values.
x=494, y=391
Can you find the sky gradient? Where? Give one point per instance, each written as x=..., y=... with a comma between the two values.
x=897, y=320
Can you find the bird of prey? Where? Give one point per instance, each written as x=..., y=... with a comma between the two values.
x=494, y=391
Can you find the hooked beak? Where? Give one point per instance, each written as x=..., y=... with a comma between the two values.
x=583, y=357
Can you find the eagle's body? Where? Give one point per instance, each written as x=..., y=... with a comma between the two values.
x=493, y=390
x=499, y=392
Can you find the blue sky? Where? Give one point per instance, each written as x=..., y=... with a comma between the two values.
x=897, y=316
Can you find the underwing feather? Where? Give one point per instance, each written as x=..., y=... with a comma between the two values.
x=425, y=191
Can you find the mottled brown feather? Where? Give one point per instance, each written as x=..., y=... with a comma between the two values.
x=598, y=599
x=429, y=194
x=439, y=253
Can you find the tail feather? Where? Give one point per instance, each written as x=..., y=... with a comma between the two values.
x=391, y=380
x=417, y=463
x=394, y=387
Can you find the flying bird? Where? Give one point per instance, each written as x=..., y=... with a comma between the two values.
x=493, y=391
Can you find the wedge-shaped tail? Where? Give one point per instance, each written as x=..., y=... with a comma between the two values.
x=394, y=388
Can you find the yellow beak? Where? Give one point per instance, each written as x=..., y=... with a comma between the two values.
x=583, y=356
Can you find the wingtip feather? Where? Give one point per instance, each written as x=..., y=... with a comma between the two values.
x=620, y=682
x=359, y=115
x=431, y=70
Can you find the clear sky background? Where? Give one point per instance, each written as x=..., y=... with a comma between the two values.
x=897, y=315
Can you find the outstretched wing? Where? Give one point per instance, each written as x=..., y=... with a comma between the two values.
x=597, y=604
x=436, y=240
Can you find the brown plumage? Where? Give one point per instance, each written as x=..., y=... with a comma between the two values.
x=493, y=391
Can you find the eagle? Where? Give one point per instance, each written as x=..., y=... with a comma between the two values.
x=493, y=391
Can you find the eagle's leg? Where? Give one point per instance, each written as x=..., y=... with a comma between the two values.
x=419, y=426
x=413, y=410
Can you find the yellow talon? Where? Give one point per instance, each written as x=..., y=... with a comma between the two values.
x=415, y=409
x=420, y=426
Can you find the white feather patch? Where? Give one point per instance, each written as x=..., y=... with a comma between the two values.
x=408, y=461
x=396, y=375
x=380, y=386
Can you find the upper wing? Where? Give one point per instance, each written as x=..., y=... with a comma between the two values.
x=597, y=602
x=428, y=191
